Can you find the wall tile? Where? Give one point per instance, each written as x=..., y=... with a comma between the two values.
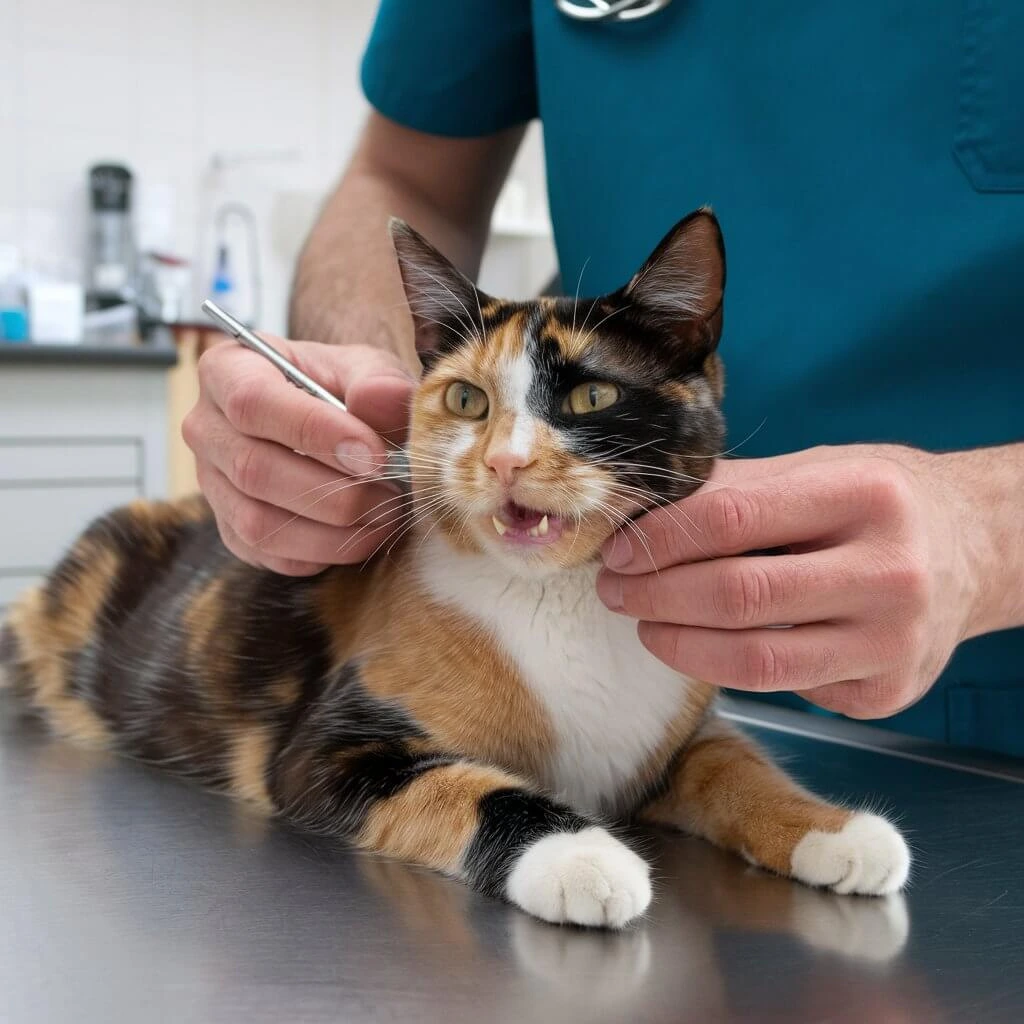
x=101, y=27
x=79, y=90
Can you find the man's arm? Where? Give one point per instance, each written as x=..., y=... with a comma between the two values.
x=293, y=514
x=894, y=557
x=347, y=288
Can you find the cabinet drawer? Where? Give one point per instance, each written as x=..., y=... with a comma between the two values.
x=53, y=460
x=38, y=523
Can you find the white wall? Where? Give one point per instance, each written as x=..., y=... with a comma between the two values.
x=164, y=86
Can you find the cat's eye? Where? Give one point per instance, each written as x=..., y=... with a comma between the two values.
x=466, y=400
x=590, y=397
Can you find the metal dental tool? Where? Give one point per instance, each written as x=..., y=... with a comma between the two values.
x=397, y=460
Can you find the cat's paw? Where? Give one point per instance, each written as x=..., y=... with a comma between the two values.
x=587, y=878
x=867, y=856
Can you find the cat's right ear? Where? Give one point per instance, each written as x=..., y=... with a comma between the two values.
x=444, y=303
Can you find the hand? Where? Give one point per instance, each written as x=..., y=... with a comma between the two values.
x=880, y=578
x=284, y=511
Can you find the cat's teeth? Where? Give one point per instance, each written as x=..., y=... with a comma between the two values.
x=533, y=531
x=542, y=527
x=499, y=527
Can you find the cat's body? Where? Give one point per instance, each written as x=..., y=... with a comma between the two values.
x=464, y=701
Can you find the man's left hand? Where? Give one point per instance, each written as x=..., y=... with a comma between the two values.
x=883, y=573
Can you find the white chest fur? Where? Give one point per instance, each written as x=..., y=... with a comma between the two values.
x=609, y=700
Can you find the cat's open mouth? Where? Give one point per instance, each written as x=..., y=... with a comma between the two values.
x=516, y=524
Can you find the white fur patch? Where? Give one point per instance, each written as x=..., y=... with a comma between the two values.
x=587, y=878
x=516, y=380
x=464, y=438
x=520, y=441
x=867, y=856
x=609, y=699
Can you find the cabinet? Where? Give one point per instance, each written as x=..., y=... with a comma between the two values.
x=76, y=439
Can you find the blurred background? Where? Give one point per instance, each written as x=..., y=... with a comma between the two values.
x=154, y=153
x=232, y=118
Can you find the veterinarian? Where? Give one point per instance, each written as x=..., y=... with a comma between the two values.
x=867, y=164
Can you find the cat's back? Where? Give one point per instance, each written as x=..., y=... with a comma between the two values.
x=149, y=625
x=616, y=714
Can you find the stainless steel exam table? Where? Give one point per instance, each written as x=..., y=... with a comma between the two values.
x=127, y=896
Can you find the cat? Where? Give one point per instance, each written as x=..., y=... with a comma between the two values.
x=463, y=700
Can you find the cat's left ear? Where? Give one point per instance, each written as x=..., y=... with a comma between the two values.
x=444, y=303
x=682, y=284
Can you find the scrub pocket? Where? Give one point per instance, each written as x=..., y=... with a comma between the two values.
x=989, y=137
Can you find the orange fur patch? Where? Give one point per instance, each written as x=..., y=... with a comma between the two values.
x=201, y=617
x=726, y=790
x=47, y=644
x=249, y=756
x=449, y=675
x=433, y=819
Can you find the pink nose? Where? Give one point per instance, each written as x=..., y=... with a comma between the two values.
x=506, y=462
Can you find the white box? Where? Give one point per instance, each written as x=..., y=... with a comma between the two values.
x=55, y=313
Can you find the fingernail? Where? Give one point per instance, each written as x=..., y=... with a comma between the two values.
x=356, y=458
x=618, y=553
x=609, y=589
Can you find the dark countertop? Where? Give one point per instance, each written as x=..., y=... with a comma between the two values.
x=127, y=895
x=160, y=352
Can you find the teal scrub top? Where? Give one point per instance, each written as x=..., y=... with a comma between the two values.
x=867, y=163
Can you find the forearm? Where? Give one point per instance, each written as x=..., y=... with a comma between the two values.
x=991, y=481
x=347, y=287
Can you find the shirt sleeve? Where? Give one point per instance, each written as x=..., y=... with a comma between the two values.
x=452, y=67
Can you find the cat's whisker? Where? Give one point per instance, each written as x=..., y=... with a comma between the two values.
x=619, y=521
x=403, y=526
x=343, y=482
x=427, y=513
x=679, y=525
x=576, y=300
x=397, y=498
x=603, y=320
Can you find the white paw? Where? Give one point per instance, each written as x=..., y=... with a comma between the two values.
x=867, y=855
x=586, y=877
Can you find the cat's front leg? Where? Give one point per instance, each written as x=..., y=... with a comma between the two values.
x=470, y=821
x=723, y=788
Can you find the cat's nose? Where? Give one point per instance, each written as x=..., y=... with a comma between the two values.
x=505, y=462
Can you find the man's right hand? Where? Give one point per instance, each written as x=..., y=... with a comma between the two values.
x=297, y=514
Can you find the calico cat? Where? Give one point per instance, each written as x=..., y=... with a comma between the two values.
x=463, y=700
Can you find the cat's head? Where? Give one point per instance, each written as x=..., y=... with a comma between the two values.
x=540, y=427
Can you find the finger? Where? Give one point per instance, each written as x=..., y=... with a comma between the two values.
x=737, y=593
x=270, y=473
x=760, y=660
x=878, y=697
x=265, y=531
x=258, y=402
x=281, y=566
x=805, y=504
x=339, y=368
x=737, y=471
x=383, y=403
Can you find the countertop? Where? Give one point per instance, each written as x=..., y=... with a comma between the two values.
x=126, y=895
x=159, y=352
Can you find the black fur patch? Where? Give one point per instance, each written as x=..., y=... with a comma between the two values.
x=347, y=751
x=510, y=821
